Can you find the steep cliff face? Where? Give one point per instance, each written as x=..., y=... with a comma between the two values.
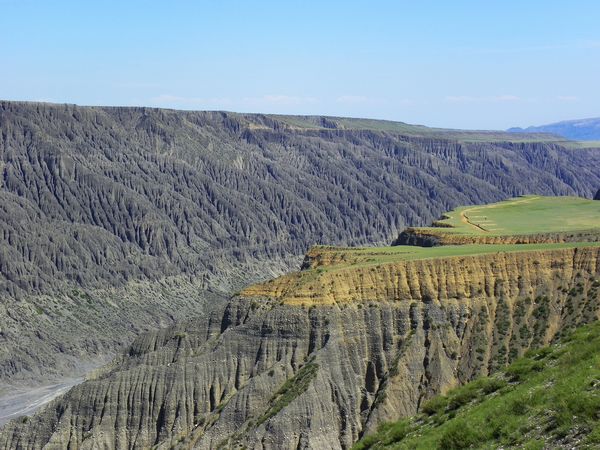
x=95, y=199
x=444, y=279
x=266, y=372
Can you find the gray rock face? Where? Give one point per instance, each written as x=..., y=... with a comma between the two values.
x=108, y=215
x=264, y=375
x=102, y=196
x=597, y=196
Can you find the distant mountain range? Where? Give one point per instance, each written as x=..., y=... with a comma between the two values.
x=579, y=130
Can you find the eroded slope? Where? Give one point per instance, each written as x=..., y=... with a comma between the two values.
x=96, y=201
x=548, y=399
x=268, y=374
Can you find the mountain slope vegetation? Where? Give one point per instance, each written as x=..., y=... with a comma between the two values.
x=117, y=220
x=548, y=399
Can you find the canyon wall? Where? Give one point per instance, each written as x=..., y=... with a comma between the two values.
x=316, y=368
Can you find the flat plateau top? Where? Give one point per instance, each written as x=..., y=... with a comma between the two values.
x=534, y=214
x=332, y=258
x=522, y=216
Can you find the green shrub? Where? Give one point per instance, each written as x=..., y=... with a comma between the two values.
x=435, y=405
x=394, y=432
x=458, y=435
x=462, y=397
x=291, y=389
x=490, y=385
x=520, y=369
x=594, y=436
x=539, y=353
x=534, y=444
x=519, y=406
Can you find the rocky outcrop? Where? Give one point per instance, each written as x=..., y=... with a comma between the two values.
x=597, y=196
x=418, y=237
x=267, y=372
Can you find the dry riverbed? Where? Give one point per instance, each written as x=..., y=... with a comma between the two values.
x=22, y=401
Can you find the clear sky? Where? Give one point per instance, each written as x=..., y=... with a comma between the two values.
x=463, y=64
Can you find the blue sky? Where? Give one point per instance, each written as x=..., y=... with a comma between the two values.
x=462, y=64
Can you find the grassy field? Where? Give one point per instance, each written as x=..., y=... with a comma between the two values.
x=519, y=216
x=548, y=399
x=364, y=256
x=524, y=215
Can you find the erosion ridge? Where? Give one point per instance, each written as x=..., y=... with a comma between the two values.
x=97, y=201
x=371, y=278
x=273, y=367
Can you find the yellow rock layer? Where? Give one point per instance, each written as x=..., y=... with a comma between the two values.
x=447, y=279
x=445, y=238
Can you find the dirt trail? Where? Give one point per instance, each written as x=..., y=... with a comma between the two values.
x=465, y=219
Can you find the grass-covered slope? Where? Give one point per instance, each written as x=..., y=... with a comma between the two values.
x=526, y=219
x=550, y=398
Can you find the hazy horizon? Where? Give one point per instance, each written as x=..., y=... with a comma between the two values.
x=285, y=114
x=461, y=65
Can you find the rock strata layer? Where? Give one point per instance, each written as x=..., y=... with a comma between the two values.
x=268, y=373
x=429, y=238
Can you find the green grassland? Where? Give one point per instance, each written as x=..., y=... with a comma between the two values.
x=515, y=217
x=548, y=399
x=366, y=256
x=523, y=215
